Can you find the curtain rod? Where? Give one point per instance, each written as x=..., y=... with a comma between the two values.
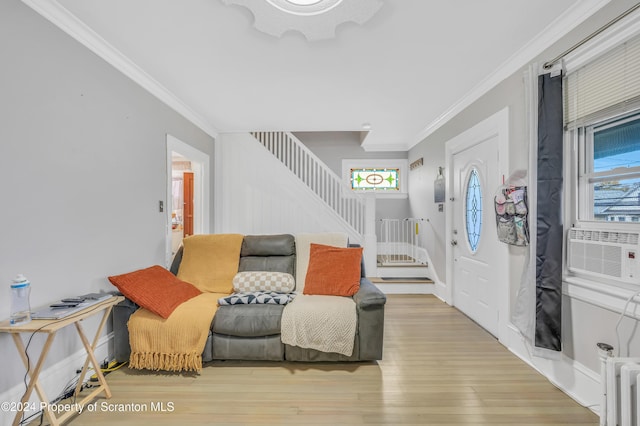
x=552, y=62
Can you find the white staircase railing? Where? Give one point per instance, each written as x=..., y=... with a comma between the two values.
x=351, y=207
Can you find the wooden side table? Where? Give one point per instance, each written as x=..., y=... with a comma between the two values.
x=51, y=327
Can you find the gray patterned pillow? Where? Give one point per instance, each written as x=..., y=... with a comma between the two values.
x=250, y=281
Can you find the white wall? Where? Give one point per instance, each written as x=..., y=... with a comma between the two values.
x=584, y=323
x=83, y=166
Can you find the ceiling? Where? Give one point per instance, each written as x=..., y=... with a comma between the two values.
x=407, y=70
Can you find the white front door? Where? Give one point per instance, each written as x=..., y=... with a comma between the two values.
x=474, y=234
x=477, y=260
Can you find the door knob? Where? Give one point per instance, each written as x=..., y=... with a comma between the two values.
x=454, y=243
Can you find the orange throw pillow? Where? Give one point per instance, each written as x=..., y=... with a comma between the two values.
x=155, y=289
x=333, y=271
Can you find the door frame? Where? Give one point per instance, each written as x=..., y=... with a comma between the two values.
x=495, y=126
x=200, y=165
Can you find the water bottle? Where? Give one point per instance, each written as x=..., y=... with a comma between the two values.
x=20, y=308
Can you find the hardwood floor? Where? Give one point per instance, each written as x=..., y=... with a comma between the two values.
x=438, y=368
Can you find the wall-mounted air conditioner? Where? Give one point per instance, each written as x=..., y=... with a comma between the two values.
x=604, y=253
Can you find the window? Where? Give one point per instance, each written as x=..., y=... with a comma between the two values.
x=375, y=179
x=602, y=118
x=473, y=210
x=609, y=170
x=385, y=178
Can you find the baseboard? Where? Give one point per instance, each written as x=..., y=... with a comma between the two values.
x=54, y=378
x=573, y=378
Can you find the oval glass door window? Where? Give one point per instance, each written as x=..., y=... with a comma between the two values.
x=473, y=210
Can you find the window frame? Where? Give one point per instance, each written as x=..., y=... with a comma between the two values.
x=397, y=163
x=581, y=174
x=474, y=171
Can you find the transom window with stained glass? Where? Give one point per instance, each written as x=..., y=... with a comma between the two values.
x=375, y=179
x=473, y=210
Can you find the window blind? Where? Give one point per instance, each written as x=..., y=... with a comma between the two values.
x=609, y=81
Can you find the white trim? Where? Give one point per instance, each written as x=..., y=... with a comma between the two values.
x=571, y=377
x=200, y=163
x=220, y=222
x=368, y=147
x=69, y=23
x=495, y=126
x=560, y=27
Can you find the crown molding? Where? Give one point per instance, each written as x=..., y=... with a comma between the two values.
x=561, y=26
x=70, y=24
x=384, y=147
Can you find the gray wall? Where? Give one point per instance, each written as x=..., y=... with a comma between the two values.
x=422, y=205
x=333, y=147
x=584, y=323
x=83, y=166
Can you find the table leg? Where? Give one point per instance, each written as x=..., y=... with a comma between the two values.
x=91, y=359
x=33, y=376
x=90, y=353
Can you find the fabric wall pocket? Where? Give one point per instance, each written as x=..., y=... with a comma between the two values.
x=512, y=215
x=507, y=230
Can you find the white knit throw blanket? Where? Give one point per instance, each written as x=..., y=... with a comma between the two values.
x=324, y=323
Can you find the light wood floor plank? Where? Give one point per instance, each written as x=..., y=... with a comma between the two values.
x=439, y=368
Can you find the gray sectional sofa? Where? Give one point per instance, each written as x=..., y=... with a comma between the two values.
x=252, y=332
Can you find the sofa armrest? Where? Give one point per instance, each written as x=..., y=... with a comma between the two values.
x=369, y=295
x=177, y=259
x=370, y=303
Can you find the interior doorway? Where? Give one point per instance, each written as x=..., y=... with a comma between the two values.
x=187, y=193
x=181, y=205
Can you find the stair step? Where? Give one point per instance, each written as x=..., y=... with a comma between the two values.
x=404, y=285
x=402, y=265
x=392, y=280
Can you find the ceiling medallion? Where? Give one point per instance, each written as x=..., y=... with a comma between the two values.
x=315, y=19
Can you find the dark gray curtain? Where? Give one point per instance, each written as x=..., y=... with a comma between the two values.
x=549, y=218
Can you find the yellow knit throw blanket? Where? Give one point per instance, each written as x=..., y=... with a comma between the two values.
x=209, y=262
x=175, y=343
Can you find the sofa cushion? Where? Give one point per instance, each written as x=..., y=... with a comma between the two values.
x=249, y=281
x=268, y=245
x=263, y=348
x=248, y=320
x=268, y=253
x=333, y=271
x=268, y=263
x=155, y=289
x=303, y=243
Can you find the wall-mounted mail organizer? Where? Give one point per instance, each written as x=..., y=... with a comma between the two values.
x=512, y=215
